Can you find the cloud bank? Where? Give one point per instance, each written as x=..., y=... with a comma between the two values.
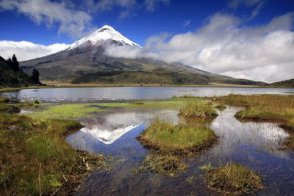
x=27, y=50
x=72, y=22
x=224, y=46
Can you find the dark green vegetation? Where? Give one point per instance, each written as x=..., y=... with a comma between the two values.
x=273, y=108
x=90, y=65
x=234, y=179
x=12, y=76
x=285, y=83
x=163, y=164
x=34, y=157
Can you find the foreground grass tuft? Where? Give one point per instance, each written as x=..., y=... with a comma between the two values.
x=166, y=137
x=163, y=164
x=198, y=109
x=233, y=178
x=35, y=159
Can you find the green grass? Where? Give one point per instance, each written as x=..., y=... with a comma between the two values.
x=273, y=108
x=166, y=137
x=65, y=111
x=35, y=158
x=198, y=109
x=79, y=110
x=146, y=104
x=233, y=179
x=163, y=164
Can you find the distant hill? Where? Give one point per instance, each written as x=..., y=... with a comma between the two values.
x=285, y=83
x=12, y=78
x=85, y=62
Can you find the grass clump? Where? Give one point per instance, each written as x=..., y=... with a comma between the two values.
x=273, y=108
x=166, y=137
x=198, y=109
x=163, y=164
x=233, y=178
x=220, y=107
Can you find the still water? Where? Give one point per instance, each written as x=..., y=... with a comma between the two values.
x=132, y=93
x=113, y=133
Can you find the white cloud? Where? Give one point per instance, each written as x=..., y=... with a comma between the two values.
x=187, y=23
x=152, y=4
x=256, y=6
x=224, y=46
x=248, y=3
x=125, y=7
x=27, y=50
x=128, y=52
x=109, y=4
x=70, y=21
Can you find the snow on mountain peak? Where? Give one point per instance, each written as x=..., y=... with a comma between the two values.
x=103, y=34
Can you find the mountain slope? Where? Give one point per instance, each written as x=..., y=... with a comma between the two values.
x=10, y=78
x=85, y=62
x=285, y=83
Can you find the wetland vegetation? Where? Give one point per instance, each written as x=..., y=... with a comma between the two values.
x=233, y=178
x=36, y=158
x=178, y=139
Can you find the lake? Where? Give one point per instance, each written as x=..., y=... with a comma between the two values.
x=133, y=93
x=113, y=133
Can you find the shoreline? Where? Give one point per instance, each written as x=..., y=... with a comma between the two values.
x=11, y=89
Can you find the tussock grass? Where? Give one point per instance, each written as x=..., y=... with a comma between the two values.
x=198, y=109
x=274, y=108
x=163, y=164
x=233, y=178
x=35, y=159
x=166, y=137
x=221, y=107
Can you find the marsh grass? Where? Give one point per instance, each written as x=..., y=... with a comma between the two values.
x=146, y=104
x=220, y=107
x=272, y=108
x=198, y=109
x=35, y=158
x=178, y=139
x=65, y=111
x=234, y=179
x=163, y=164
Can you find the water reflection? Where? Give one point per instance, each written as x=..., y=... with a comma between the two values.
x=255, y=145
x=107, y=136
x=114, y=132
x=236, y=136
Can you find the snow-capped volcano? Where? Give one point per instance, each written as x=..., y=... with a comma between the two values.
x=105, y=33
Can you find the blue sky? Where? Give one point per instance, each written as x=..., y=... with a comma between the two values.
x=136, y=20
x=252, y=39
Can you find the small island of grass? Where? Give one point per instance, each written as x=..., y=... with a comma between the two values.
x=163, y=164
x=166, y=137
x=234, y=179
